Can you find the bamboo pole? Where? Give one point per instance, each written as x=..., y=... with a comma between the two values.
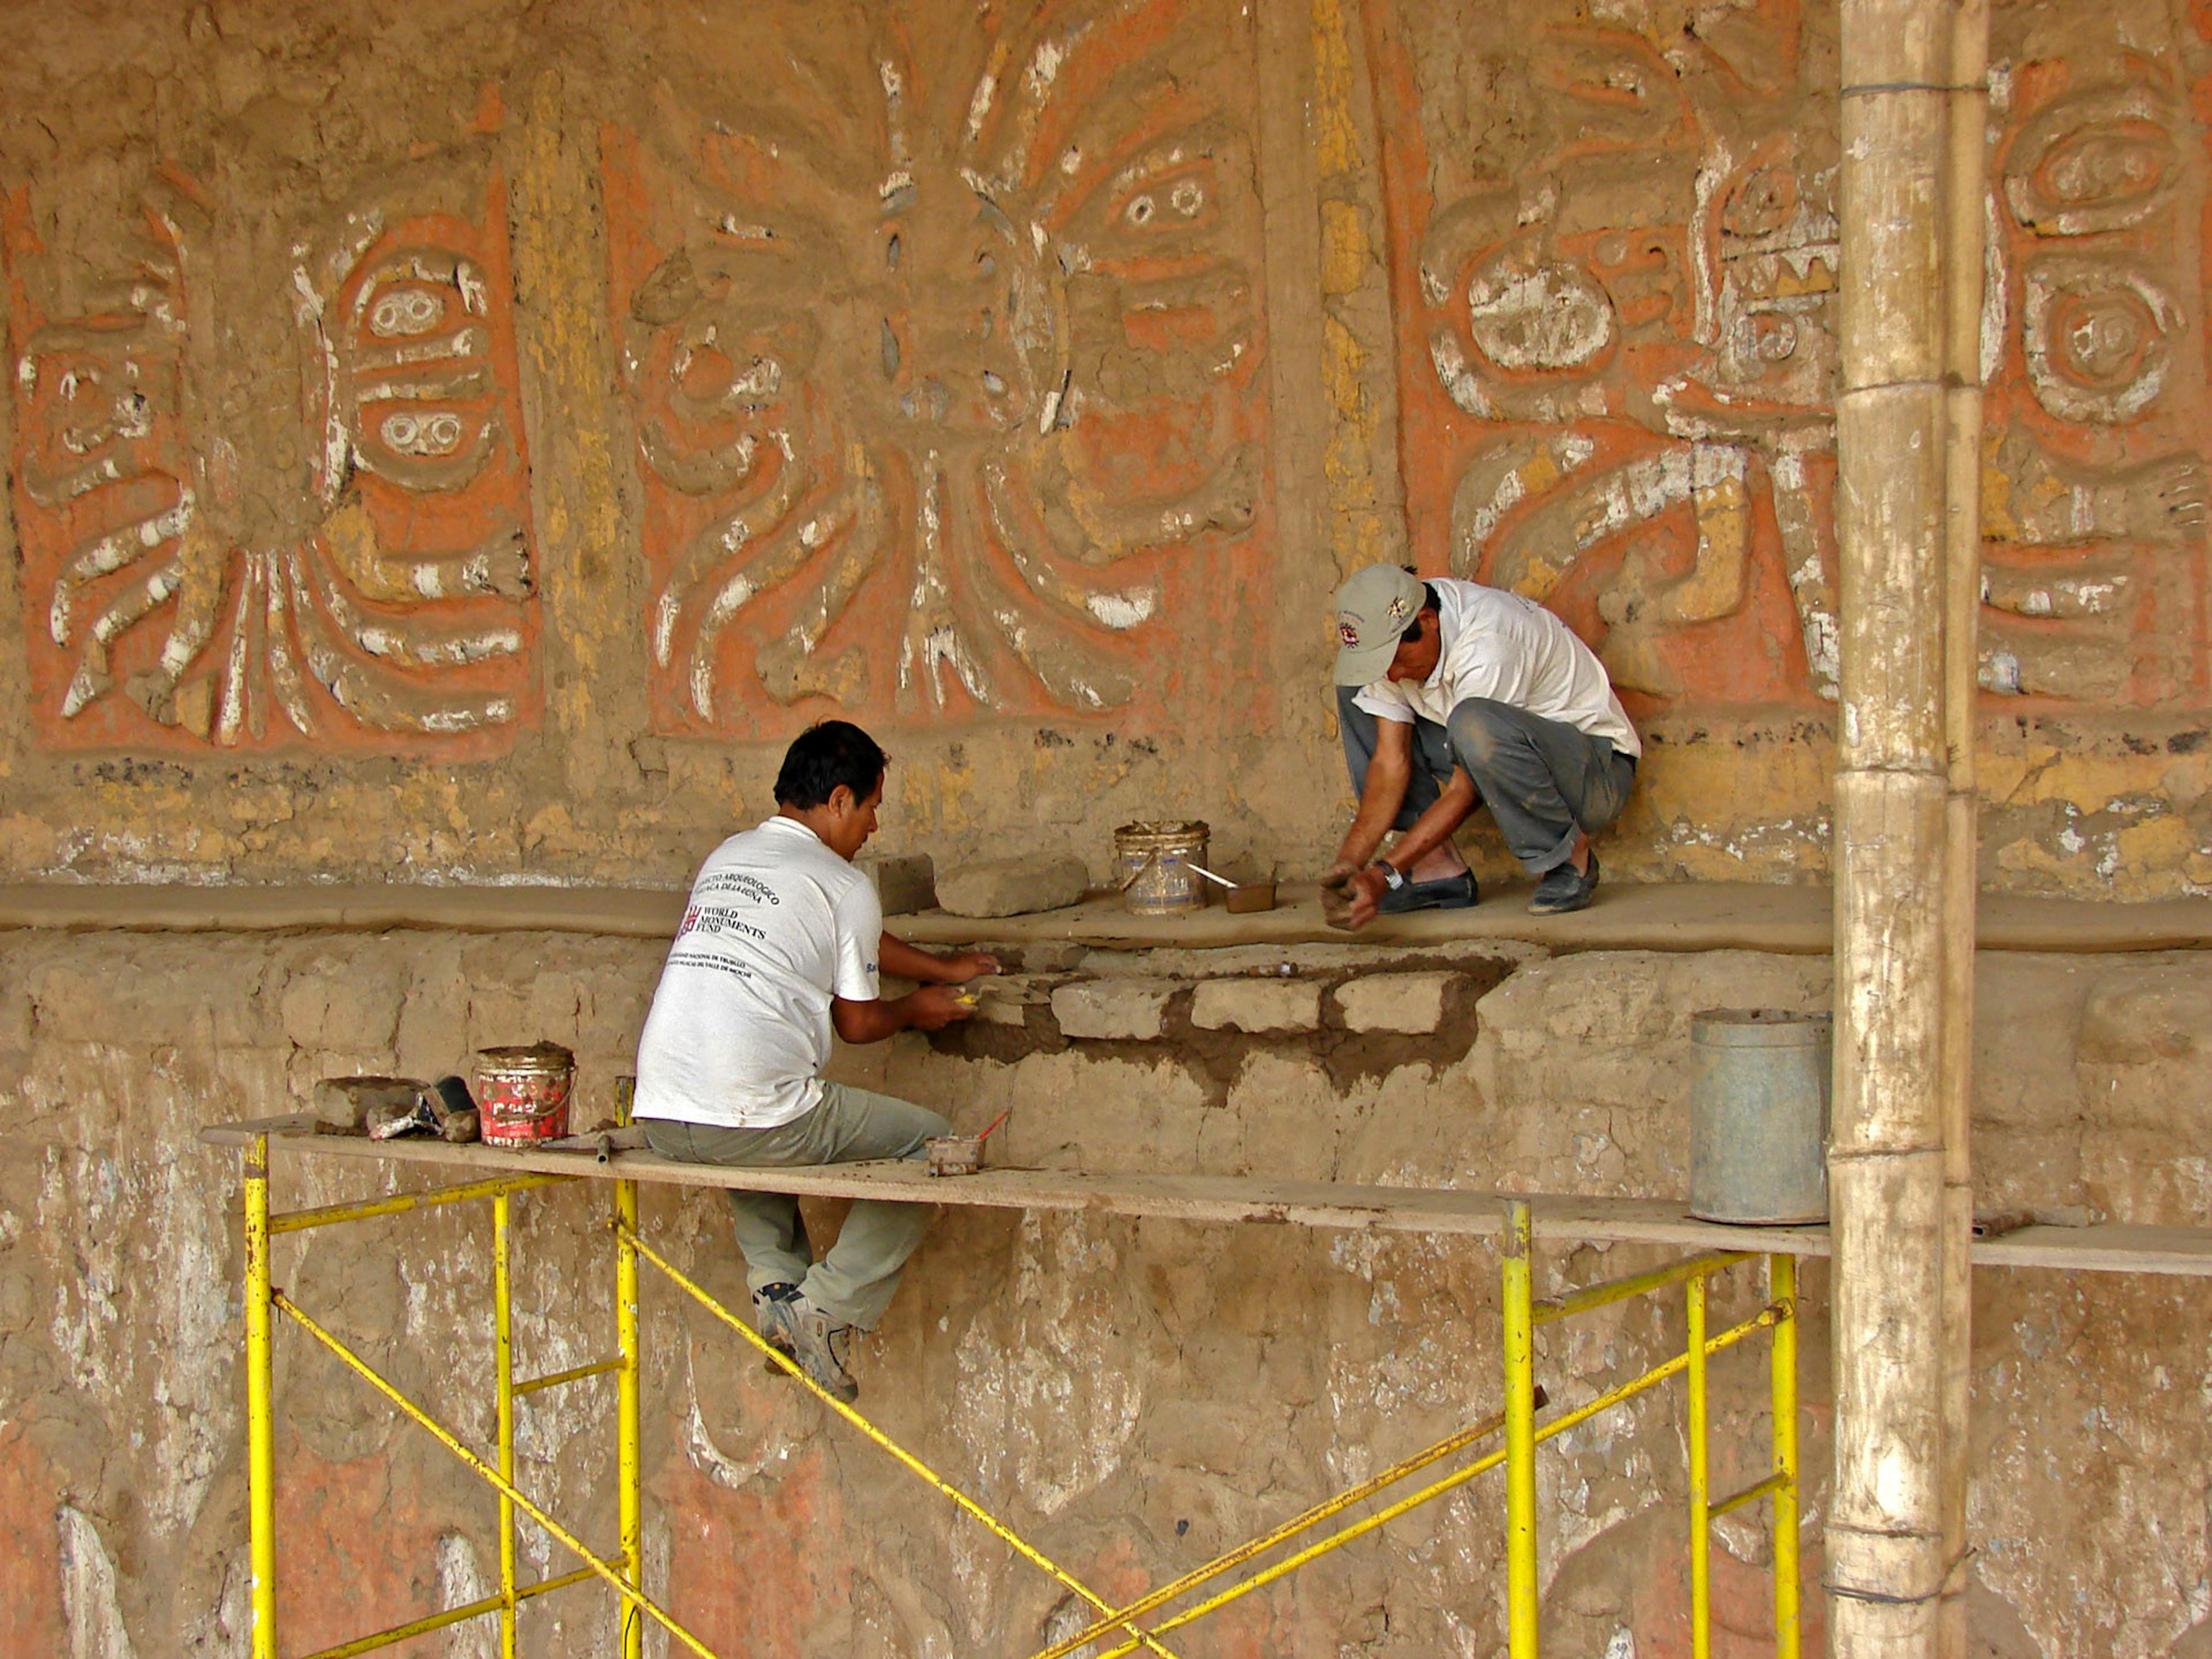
x=1961, y=651
x=1908, y=434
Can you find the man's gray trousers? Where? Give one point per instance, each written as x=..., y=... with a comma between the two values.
x=855, y=1281
x=1545, y=782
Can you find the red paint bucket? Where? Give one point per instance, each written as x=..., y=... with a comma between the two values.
x=523, y=1093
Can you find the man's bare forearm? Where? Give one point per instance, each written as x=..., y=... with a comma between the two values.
x=904, y=961
x=1436, y=826
x=1379, y=801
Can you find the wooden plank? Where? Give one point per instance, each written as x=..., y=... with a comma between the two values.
x=2112, y=1246
x=1327, y=1205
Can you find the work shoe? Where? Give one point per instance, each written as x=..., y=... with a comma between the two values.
x=1457, y=892
x=1565, y=888
x=768, y=1319
x=820, y=1343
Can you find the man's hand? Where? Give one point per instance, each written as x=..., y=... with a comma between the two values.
x=933, y=1007
x=1353, y=901
x=967, y=965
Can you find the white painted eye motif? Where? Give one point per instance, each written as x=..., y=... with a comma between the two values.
x=405, y=311
x=428, y=435
x=1187, y=199
x=1140, y=211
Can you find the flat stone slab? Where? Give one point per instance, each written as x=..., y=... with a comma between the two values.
x=1659, y=916
x=1012, y=887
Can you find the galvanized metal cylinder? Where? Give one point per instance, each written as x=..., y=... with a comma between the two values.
x=1759, y=1115
x=1151, y=864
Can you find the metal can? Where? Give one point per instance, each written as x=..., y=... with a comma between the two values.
x=1759, y=1115
x=1152, y=865
x=523, y=1093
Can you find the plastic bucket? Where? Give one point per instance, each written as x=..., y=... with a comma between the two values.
x=522, y=1094
x=1759, y=1115
x=1150, y=867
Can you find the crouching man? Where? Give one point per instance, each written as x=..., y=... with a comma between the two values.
x=782, y=941
x=1452, y=695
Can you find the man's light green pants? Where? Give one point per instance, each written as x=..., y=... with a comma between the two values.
x=855, y=1281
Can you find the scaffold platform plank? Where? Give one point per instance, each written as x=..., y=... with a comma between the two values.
x=1329, y=1205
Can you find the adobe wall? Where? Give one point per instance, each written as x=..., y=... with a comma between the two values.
x=461, y=445
x=1133, y=1395
x=467, y=447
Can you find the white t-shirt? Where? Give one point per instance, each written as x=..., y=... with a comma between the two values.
x=740, y=1031
x=1500, y=646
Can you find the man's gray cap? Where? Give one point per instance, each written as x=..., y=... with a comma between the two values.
x=1373, y=611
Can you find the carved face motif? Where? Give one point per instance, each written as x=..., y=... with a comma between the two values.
x=980, y=366
x=416, y=394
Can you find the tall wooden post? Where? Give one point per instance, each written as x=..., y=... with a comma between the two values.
x=1908, y=432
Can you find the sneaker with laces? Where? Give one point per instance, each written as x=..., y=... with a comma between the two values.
x=770, y=1302
x=820, y=1345
x=1565, y=888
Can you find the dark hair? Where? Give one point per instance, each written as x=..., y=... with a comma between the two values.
x=1429, y=602
x=823, y=755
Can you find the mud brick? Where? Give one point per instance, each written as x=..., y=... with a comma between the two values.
x=1411, y=1004
x=1256, y=1005
x=1130, y=1010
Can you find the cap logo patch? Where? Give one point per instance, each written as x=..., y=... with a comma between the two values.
x=1347, y=630
x=1399, y=608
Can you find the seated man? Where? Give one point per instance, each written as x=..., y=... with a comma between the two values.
x=782, y=939
x=1451, y=694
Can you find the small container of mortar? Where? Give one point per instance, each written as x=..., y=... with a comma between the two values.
x=1247, y=897
x=960, y=1155
x=955, y=1155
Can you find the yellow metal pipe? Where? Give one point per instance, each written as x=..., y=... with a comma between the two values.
x=502, y=1294
x=1027, y=1551
x=629, y=1429
x=398, y=1633
x=1259, y=1546
x=328, y=1215
x=1701, y=1536
x=629, y=1436
x=1453, y=1481
x=1750, y=1494
x=573, y=1374
x=1619, y=1290
x=1782, y=1292
x=260, y=1403
x=422, y=1626
x=484, y=1471
x=1520, y=1351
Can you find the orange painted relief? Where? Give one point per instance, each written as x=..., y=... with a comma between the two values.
x=942, y=353
x=304, y=527
x=1614, y=260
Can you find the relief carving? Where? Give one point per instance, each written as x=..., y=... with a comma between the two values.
x=304, y=522
x=1628, y=305
x=1622, y=283
x=2095, y=488
x=940, y=404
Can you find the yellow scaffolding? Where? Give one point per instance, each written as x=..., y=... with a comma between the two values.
x=1130, y=1626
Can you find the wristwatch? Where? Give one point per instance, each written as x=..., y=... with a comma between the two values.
x=1393, y=877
